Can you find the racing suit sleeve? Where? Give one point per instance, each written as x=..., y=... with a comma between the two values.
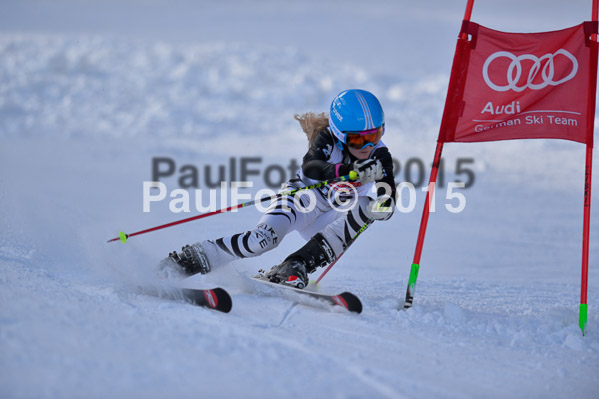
x=386, y=185
x=315, y=164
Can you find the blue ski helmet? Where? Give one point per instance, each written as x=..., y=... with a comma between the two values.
x=355, y=111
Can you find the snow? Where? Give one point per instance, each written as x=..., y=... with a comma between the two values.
x=91, y=92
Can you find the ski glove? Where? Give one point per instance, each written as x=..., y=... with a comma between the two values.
x=381, y=208
x=368, y=170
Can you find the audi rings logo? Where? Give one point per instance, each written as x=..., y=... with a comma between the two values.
x=545, y=65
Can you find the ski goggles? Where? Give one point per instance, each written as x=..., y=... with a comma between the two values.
x=360, y=140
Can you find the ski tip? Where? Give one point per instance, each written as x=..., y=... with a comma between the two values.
x=352, y=302
x=215, y=298
x=225, y=304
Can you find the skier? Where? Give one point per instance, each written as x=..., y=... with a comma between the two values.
x=348, y=140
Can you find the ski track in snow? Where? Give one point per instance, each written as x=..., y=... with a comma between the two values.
x=496, y=307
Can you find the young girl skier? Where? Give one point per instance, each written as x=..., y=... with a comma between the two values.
x=349, y=140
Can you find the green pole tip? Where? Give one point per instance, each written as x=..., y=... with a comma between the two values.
x=414, y=274
x=123, y=237
x=353, y=175
x=582, y=320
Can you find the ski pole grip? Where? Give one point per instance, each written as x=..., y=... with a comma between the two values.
x=353, y=175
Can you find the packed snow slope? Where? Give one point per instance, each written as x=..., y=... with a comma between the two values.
x=83, y=119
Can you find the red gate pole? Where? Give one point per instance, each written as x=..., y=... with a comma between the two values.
x=582, y=318
x=429, y=195
x=422, y=232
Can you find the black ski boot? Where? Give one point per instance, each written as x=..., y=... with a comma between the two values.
x=192, y=259
x=295, y=268
x=291, y=272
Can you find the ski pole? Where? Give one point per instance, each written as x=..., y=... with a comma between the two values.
x=124, y=236
x=351, y=241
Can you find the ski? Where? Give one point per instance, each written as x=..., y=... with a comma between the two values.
x=346, y=300
x=216, y=298
x=175, y=288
